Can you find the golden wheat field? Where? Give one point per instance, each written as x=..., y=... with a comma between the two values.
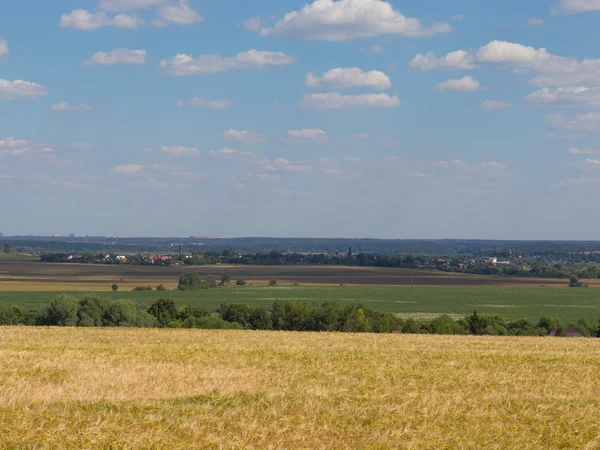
x=112, y=388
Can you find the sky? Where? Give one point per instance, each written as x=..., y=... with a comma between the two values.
x=287, y=118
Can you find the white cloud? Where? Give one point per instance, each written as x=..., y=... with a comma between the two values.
x=567, y=96
x=127, y=5
x=577, y=6
x=578, y=151
x=594, y=162
x=349, y=19
x=3, y=48
x=82, y=19
x=534, y=22
x=335, y=100
x=81, y=145
x=21, y=90
x=579, y=122
x=458, y=60
x=243, y=136
x=65, y=106
x=464, y=84
x=22, y=147
x=307, y=134
x=76, y=185
x=341, y=78
x=179, y=13
x=184, y=65
x=202, y=102
x=459, y=17
x=127, y=169
x=509, y=54
x=117, y=56
x=467, y=165
x=177, y=150
x=225, y=151
x=252, y=24
x=290, y=166
x=493, y=105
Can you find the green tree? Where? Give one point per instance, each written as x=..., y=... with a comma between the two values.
x=226, y=279
x=121, y=313
x=190, y=281
x=446, y=325
x=62, y=312
x=7, y=247
x=92, y=310
x=260, y=319
x=161, y=288
x=115, y=287
x=211, y=282
x=240, y=282
x=273, y=283
x=164, y=310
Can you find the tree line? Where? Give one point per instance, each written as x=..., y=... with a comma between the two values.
x=95, y=311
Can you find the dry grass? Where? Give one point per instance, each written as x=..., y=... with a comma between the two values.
x=90, y=388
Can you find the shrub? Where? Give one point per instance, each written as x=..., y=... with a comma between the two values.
x=240, y=282
x=164, y=310
x=190, y=281
x=226, y=279
x=191, y=311
x=445, y=325
x=91, y=311
x=16, y=315
x=142, y=288
x=211, y=282
x=62, y=312
x=236, y=312
x=121, y=313
x=210, y=323
x=260, y=319
x=161, y=288
x=115, y=287
x=145, y=320
x=273, y=283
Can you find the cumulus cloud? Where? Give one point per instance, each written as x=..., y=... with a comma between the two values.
x=225, y=151
x=184, y=65
x=3, y=48
x=82, y=19
x=458, y=60
x=117, y=56
x=494, y=105
x=243, y=136
x=177, y=150
x=567, y=96
x=252, y=24
x=577, y=6
x=202, y=102
x=587, y=151
x=464, y=84
x=65, y=106
x=127, y=169
x=306, y=135
x=509, y=54
x=341, y=78
x=127, y=5
x=21, y=90
x=578, y=122
x=297, y=166
x=22, y=147
x=335, y=100
x=350, y=19
x=179, y=13
x=533, y=22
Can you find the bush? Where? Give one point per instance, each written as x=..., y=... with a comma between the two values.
x=211, y=282
x=121, y=313
x=190, y=281
x=240, y=282
x=273, y=283
x=164, y=310
x=210, y=323
x=92, y=310
x=161, y=288
x=236, y=312
x=115, y=287
x=62, y=312
x=16, y=315
x=191, y=311
x=445, y=325
x=142, y=288
x=145, y=320
x=260, y=319
x=226, y=279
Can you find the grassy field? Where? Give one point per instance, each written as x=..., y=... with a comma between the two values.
x=94, y=388
x=568, y=305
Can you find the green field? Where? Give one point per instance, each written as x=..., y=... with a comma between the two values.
x=419, y=302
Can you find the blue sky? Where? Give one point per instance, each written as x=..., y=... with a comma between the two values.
x=332, y=118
